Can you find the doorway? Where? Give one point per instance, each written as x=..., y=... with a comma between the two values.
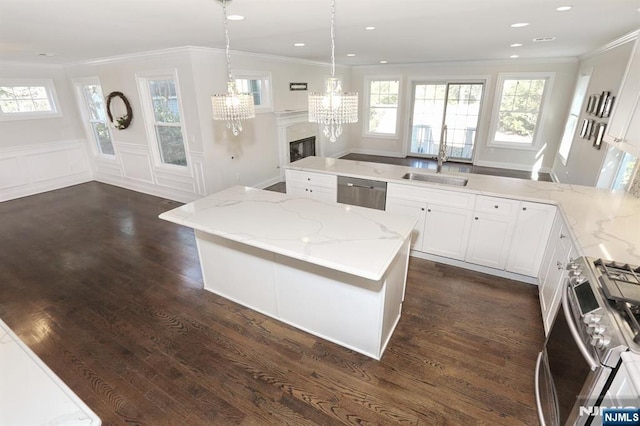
x=439, y=104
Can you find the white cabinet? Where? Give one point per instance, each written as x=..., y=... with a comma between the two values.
x=559, y=252
x=317, y=186
x=530, y=237
x=444, y=218
x=411, y=208
x=491, y=231
x=623, y=129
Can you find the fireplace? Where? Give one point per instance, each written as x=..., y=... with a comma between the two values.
x=302, y=148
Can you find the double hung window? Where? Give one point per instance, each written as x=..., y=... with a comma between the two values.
x=382, y=107
x=93, y=102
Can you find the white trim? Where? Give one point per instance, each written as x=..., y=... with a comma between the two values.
x=546, y=98
x=196, y=49
x=52, y=97
x=142, y=79
x=266, y=92
x=532, y=61
x=629, y=37
x=366, y=106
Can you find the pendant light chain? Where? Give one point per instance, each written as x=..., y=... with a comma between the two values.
x=226, y=35
x=333, y=38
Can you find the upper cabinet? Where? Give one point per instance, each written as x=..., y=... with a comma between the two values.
x=623, y=130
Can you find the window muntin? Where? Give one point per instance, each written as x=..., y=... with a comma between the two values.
x=258, y=85
x=94, y=102
x=167, y=121
x=519, y=106
x=382, y=114
x=24, y=99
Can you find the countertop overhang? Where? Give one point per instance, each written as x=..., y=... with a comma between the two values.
x=604, y=223
x=349, y=239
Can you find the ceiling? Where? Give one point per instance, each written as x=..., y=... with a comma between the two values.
x=406, y=31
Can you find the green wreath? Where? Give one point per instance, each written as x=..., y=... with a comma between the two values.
x=123, y=121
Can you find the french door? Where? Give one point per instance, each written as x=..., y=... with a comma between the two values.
x=439, y=104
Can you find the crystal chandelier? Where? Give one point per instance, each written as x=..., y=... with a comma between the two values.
x=232, y=106
x=333, y=108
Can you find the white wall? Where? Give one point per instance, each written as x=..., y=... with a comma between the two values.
x=584, y=162
x=552, y=124
x=39, y=155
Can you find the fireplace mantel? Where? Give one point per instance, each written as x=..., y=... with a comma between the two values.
x=293, y=125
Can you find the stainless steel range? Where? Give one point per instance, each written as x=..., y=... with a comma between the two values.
x=596, y=322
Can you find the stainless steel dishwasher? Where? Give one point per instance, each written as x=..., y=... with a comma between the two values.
x=362, y=192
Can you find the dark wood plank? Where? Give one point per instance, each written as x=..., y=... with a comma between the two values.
x=110, y=297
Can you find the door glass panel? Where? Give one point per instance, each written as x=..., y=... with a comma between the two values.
x=455, y=104
x=428, y=114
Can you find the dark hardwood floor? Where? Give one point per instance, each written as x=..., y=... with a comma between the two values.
x=110, y=297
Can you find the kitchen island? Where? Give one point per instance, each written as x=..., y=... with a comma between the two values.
x=335, y=271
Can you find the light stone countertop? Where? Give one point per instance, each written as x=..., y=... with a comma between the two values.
x=32, y=394
x=632, y=362
x=604, y=224
x=349, y=239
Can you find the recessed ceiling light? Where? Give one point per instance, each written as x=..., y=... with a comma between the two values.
x=564, y=8
x=235, y=17
x=351, y=54
x=519, y=24
x=369, y=28
x=516, y=45
x=383, y=62
x=514, y=56
x=48, y=54
x=299, y=44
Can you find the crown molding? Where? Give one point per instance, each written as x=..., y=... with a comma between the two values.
x=561, y=60
x=629, y=37
x=197, y=49
x=30, y=64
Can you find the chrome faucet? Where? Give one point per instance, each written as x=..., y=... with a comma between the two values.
x=442, y=150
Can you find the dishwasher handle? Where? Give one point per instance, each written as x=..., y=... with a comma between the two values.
x=355, y=185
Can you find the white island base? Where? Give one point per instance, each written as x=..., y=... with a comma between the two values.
x=351, y=311
x=335, y=271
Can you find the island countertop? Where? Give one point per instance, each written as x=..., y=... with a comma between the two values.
x=604, y=224
x=349, y=239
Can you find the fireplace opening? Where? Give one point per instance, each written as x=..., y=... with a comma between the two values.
x=302, y=148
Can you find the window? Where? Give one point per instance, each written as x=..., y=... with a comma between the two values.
x=164, y=118
x=257, y=84
x=93, y=102
x=26, y=99
x=382, y=107
x=519, y=104
x=572, y=121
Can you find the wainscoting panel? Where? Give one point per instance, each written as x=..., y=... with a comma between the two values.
x=136, y=162
x=32, y=169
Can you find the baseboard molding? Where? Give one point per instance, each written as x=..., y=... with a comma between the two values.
x=268, y=182
x=148, y=188
x=473, y=267
x=27, y=190
x=510, y=166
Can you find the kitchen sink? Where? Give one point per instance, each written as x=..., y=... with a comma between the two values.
x=433, y=178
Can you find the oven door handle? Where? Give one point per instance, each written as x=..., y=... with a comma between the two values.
x=537, y=387
x=593, y=364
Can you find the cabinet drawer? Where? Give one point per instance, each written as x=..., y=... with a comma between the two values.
x=433, y=196
x=497, y=206
x=316, y=179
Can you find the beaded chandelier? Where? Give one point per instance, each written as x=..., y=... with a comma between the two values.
x=333, y=108
x=231, y=106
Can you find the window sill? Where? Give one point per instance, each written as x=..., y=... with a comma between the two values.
x=514, y=146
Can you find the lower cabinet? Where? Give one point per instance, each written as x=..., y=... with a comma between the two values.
x=559, y=252
x=317, y=186
x=491, y=231
x=530, y=236
x=444, y=218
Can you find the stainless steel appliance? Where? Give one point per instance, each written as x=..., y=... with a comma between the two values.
x=596, y=322
x=362, y=192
